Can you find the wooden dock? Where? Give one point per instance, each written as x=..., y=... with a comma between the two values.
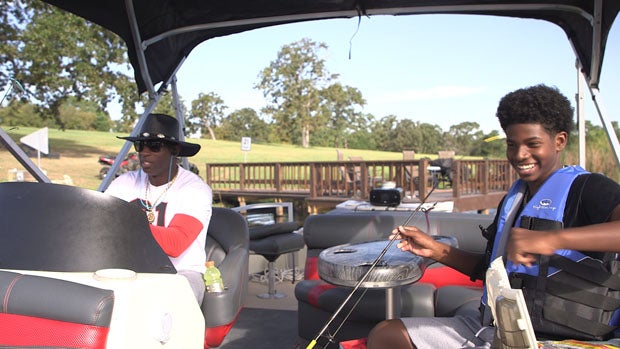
x=473, y=185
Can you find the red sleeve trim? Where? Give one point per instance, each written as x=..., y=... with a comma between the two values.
x=178, y=235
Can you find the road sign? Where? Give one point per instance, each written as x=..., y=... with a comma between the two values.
x=246, y=143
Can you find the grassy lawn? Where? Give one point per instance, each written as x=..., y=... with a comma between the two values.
x=79, y=152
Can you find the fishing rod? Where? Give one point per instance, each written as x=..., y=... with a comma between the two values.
x=364, y=277
x=346, y=317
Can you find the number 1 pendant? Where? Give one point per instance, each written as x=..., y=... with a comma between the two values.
x=150, y=216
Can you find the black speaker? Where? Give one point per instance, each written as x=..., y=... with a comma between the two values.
x=385, y=197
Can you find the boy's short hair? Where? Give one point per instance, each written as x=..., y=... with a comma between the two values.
x=538, y=104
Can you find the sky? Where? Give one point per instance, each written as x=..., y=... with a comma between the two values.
x=436, y=69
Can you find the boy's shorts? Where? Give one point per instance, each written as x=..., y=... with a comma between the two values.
x=448, y=332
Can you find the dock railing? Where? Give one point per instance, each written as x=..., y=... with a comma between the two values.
x=332, y=182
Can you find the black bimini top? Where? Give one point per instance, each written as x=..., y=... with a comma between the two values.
x=160, y=34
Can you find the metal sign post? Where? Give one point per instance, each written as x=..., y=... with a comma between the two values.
x=246, y=145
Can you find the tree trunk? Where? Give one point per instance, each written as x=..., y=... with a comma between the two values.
x=207, y=124
x=211, y=133
x=305, y=137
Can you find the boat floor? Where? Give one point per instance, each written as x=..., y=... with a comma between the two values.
x=266, y=323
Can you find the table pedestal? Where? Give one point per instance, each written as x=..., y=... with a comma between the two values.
x=393, y=302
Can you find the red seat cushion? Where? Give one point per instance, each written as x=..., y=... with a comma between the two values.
x=438, y=276
x=30, y=331
x=443, y=276
x=311, y=271
x=214, y=336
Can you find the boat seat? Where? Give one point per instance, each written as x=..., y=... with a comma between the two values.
x=39, y=311
x=452, y=300
x=274, y=239
x=271, y=242
x=228, y=246
x=442, y=291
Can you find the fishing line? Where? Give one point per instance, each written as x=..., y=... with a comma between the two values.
x=13, y=83
x=365, y=276
x=387, y=260
x=330, y=336
x=8, y=90
x=364, y=290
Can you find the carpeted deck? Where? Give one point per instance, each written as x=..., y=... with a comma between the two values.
x=266, y=323
x=264, y=329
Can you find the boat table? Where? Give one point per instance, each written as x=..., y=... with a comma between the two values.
x=345, y=265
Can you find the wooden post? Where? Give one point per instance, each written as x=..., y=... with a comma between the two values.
x=278, y=176
x=485, y=177
x=364, y=181
x=423, y=181
x=456, y=179
x=241, y=176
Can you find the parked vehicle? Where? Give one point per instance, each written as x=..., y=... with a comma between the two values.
x=130, y=163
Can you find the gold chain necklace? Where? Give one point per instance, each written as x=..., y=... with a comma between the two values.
x=150, y=215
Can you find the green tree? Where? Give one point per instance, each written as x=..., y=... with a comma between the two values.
x=394, y=135
x=404, y=136
x=166, y=105
x=102, y=123
x=57, y=55
x=491, y=145
x=462, y=137
x=243, y=123
x=292, y=85
x=75, y=119
x=207, y=113
x=599, y=154
x=22, y=113
x=427, y=138
x=339, y=114
x=361, y=136
x=13, y=18
x=383, y=131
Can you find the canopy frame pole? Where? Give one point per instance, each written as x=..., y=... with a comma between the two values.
x=581, y=118
x=178, y=110
x=597, y=21
x=22, y=157
x=135, y=33
x=609, y=129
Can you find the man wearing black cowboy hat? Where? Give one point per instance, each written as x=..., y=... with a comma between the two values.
x=176, y=202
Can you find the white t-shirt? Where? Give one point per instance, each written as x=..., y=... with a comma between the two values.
x=188, y=195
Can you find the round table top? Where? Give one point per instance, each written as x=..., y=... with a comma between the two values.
x=345, y=265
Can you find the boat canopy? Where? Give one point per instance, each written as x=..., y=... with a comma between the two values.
x=160, y=34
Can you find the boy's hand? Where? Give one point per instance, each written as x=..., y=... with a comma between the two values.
x=415, y=241
x=524, y=246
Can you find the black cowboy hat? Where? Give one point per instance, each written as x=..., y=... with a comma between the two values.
x=162, y=127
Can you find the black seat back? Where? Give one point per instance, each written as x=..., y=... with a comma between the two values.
x=55, y=227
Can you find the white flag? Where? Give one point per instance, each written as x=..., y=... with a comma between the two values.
x=37, y=140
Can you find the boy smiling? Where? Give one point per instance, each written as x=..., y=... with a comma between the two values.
x=552, y=213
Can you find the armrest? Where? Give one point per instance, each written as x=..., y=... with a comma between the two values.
x=222, y=308
x=55, y=299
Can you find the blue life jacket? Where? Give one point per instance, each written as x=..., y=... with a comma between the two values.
x=548, y=203
x=568, y=294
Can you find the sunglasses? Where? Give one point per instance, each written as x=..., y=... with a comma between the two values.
x=155, y=146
